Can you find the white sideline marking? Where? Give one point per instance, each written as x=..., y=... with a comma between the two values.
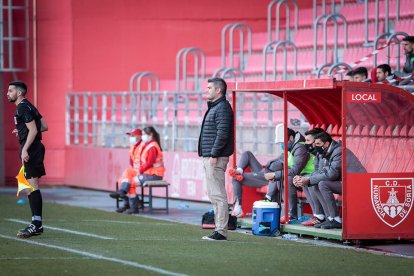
x=127, y=222
x=46, y=258
x=94, y=256
x=66, y=230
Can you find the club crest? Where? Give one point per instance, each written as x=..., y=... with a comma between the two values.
x=392, y=199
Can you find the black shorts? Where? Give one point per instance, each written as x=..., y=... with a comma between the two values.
x=35, y=167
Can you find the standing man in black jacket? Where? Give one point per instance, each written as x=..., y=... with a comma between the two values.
x=215, y=145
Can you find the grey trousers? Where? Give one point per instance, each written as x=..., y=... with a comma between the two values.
x=313, y=199
x=216, y=191
x=254, y=179
x=324, y=192
x=126, y=185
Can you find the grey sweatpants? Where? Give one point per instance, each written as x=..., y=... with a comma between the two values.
x=216, y=191
x=324, y=192
x=254, y=179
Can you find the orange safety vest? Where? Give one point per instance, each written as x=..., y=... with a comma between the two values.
x=158, y=166
x=135, y=153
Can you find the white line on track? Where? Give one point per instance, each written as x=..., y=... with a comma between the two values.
x=46, y=258
x=66, y=230
x=95, y=256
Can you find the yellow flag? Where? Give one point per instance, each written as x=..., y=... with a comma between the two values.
x=22, y=183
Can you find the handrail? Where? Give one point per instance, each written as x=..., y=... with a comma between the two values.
x=389, y=36
x=232, y=71
x=328, y=17
x=278, y=44
x=387, y=28
x=325, y=35
x=277, y=19
x=333, y=8
x=242, y=28
x=141, y=75
x=319, y=71
x=337, y=65
x=181, y=61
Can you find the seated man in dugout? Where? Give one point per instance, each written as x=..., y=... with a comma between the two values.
x=127, y=183
x=328, y=176
x=298, y=162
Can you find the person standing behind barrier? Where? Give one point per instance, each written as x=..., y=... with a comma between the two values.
x=215, y=145
x=29, y=127
x=360, y=74
x=127, y=184
x=408, y=45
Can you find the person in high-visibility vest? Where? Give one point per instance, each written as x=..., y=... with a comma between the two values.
x=127, y=183
x=151, y=161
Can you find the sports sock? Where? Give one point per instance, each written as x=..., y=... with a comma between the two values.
x=319, y=216
x=30, y=203
x=36, y=204
x=338, y=219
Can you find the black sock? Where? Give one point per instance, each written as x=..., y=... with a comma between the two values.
x=36, y=204
x=31, y=204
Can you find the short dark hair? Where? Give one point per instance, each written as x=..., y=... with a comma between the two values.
x=291, y=132
x=360, y=71
x=19, y=86
x=220, y=83
x=409, y=38
x=314, y=131
x=350, y=73
x=385, y=68
x=324, y=137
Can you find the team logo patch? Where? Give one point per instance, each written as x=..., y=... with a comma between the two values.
x=392, y=199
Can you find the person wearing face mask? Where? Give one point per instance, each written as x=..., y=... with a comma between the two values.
x=310, y=193
x=127, y=184
x=328, y=176
x=298, y=162
x=151, y=161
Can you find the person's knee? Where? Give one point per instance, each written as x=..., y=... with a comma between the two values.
x=324, y=186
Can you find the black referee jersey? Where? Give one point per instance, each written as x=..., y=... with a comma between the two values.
x=25, y=113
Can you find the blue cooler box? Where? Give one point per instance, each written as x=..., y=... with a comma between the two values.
x=265, y=218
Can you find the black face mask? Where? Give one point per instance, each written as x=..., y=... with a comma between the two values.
x=309, y=148
x=320, y=150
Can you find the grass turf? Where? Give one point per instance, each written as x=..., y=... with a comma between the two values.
x=169, y=246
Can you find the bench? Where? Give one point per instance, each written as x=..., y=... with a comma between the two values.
x=150, y=185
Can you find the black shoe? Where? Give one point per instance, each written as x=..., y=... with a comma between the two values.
x=29, y=231
x=333, y=224
x=122, y=209
x=131, y=211
x=216, y=236
x=319, y=225
x=117, y=195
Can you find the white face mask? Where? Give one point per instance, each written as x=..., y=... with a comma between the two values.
x=133, y=140
x=145, y=138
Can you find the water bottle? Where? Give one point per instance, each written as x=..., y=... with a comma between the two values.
x=21, y=201
x=290, y=237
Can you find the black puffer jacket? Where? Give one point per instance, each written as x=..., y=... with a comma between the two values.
x=217, y=135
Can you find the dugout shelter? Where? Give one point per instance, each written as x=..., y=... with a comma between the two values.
x=374, y=121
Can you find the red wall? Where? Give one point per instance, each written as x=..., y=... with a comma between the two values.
x=96, y=45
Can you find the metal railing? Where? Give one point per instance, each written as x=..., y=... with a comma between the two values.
x=390, y=37
x=278, y=4
x=101, y=119
x=243, y=51
x=276, y=45
x=387, y=25
x=328, y=17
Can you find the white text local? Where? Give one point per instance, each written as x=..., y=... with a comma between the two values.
x=364, y=97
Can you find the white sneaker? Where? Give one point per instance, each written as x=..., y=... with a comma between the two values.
x=237, y=211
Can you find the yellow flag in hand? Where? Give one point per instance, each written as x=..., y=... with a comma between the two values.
x=22, y=183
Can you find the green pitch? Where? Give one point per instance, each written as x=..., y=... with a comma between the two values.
x=79, y=241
